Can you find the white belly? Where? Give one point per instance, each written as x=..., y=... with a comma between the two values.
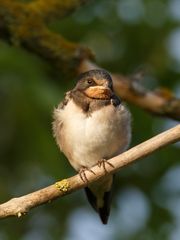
x=87, y=139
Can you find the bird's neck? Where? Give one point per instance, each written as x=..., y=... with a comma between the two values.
x=88, y=105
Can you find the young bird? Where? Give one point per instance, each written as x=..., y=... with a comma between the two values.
x=90, y=126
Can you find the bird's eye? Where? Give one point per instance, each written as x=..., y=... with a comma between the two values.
x=89, y=81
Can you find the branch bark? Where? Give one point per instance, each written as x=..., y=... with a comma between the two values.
x=21, y=205
x=24, y=25
x=133, y=92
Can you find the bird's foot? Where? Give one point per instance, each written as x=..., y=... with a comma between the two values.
x=82, y=174
x=103, y=163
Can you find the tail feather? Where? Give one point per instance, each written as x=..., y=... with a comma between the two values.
x=91, y=198
x=99, y=196
x=105, y=210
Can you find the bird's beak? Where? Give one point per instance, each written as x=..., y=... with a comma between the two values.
x=99, y=92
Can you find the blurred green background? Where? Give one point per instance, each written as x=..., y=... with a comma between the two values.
x=126, y=35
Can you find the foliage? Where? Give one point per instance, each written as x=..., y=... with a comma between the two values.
x=126, y=36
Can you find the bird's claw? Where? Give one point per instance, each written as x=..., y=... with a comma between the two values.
x=82, y=174
x=103, y=163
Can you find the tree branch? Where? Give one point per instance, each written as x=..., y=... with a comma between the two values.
x=152, y=101
x=21, y=205
x=23, y=25
x=133, y=92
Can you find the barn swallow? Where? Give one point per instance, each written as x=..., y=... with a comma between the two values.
x=90, y=126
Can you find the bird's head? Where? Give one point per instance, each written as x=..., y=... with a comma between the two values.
x=95, y=84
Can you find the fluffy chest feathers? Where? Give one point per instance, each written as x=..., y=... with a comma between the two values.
x=87, y=139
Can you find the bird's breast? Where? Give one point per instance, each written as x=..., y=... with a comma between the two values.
x=87, y=139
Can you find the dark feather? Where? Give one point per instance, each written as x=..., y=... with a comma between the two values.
x=105, y=210
x=91, y=198
x=65, y=101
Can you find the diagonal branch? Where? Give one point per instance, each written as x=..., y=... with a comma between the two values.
x=151, y=101
x=23, y=25
x=21, y=205
x=133, y=92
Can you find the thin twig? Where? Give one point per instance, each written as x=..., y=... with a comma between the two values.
x=21, y=205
